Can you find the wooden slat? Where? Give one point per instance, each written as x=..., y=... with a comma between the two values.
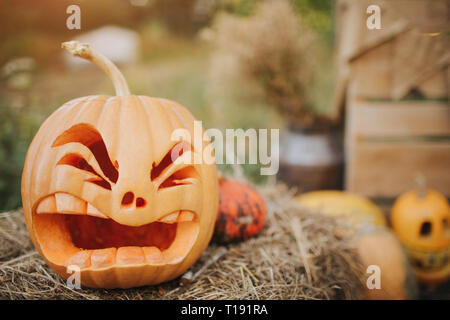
x=371, y=74
x=387, y=169
x=448, y=83
x=386, y=63
x=417, y=56
x=435, y=86
x=398, y=119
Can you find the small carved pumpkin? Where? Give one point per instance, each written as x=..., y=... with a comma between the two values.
x=421, y=220
x=104, y=187
x=242, y=212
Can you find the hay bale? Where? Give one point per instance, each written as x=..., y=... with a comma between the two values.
x=298, y=255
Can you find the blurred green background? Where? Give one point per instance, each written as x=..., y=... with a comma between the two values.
x=185, y=50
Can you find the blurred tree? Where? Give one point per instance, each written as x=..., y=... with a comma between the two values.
x=318, y=15
x=276, y=51
x=35, y=28
x=17, y=128
x=241, y=7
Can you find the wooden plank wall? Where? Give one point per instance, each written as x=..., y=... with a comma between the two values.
x=389, y=143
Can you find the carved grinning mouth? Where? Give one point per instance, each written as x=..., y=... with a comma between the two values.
x=72, y=232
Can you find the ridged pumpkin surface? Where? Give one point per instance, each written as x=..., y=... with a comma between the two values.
x=242, y=212
x=102, y=191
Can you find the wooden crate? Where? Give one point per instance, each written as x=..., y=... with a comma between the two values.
x=393, y=68
x=389, y=143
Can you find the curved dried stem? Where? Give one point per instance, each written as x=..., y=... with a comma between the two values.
x=421, y=184
x=83, y=50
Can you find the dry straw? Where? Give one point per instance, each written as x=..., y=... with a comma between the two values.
x=298, y=255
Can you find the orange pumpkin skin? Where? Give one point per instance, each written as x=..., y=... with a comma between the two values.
x=242, y=212
x=378, y=246
x=74, y=192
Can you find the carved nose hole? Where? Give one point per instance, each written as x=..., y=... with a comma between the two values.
x=140, y=202
x=127, y=198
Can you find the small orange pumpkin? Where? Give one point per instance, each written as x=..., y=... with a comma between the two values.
x=242, y=212
x=421, y=220
x=104, y=187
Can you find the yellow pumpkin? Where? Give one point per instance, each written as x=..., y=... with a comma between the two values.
x=106, y=189
x=356, y=209
x=421, y=220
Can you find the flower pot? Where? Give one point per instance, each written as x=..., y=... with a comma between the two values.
x=311, y=159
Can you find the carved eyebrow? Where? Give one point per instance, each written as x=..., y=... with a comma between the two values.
x=87, y=135
x=175, y=152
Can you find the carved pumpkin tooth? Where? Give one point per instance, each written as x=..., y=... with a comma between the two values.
x=93, y=211
x=170, y=218
x=153, y=255
x=103, y=257
x=185, y=216
x=130, y=255
x=66, y=203
x=47, y=205
x=82, y=259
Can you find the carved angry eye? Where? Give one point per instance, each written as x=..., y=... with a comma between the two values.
x=88, y=136
x=169, y=173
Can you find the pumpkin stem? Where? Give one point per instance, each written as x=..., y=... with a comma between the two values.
x=83, y=50
x=421, y=184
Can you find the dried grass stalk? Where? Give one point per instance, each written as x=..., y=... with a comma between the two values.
x=273, y=51
x=297, y=256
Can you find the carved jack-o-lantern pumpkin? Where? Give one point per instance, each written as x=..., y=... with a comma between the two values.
x=105, y=188
x=421, y=220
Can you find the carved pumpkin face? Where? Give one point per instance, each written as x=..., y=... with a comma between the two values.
x=422, y=223
x=105, y=188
